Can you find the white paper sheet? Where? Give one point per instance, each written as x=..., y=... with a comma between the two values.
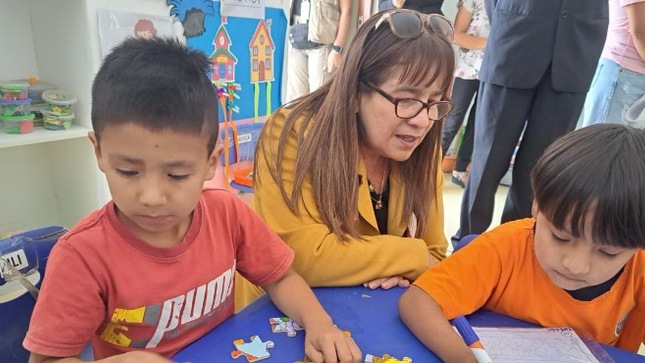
x=543, y=345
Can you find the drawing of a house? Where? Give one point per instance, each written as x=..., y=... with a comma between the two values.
x=261, y=50
x=222, y=60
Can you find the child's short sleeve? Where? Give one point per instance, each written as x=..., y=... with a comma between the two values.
x=66, y=315
x=463, y=282
x=261, y=256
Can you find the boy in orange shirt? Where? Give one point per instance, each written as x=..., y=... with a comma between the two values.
x=153, y=270
x=578, y=262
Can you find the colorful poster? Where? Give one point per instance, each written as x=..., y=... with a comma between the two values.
x=246, y=55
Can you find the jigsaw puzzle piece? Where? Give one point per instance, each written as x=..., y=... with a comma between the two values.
x=253, y=351
x=386, y=358
x=284, y=325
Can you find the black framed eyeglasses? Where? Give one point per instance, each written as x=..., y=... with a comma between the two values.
x=409, y=24
x=407, y=108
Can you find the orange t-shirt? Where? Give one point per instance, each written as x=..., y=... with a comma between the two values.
x=498, y=271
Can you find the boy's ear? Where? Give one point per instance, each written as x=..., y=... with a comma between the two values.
x=534, y=209
x=97, y=149
x=213, y=159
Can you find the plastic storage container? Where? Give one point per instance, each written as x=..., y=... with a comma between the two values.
x=59, y=102
x=35, y=88
x=15, y=108
x=37, y=109
x=52, y=121
x=14, y=91
x=18, y=124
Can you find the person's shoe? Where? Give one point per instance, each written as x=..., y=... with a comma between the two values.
x=460, y=178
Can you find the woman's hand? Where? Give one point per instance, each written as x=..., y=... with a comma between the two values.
x=328, y=344
x=387, y=282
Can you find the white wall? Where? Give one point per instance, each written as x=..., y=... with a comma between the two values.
x=449, y=9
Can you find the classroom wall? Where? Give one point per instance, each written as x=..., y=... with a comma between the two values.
x=449, y=9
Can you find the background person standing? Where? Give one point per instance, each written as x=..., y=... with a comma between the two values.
x=619, y=81
x=317, y=33
x=534, y=79
x=471, y=33
x=422, y=6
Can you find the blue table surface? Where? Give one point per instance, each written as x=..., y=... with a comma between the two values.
x=370, y=315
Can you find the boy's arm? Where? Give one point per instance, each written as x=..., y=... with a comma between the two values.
x=129, y=357
x=324, y=342
x=425, y=319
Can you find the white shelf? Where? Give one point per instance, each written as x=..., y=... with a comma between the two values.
x=40, y=135
x=54, y=179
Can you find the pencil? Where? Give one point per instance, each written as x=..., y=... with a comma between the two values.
x=471, y=339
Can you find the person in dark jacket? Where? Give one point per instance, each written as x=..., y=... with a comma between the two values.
x=422, y=6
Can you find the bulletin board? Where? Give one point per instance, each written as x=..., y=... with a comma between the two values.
x=245, y=46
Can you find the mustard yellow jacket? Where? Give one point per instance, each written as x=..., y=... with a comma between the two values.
x=321, y=257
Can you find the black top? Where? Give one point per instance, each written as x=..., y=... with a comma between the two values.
x=381, y=214
x=424, y=6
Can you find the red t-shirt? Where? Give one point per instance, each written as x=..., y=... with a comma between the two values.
x=105, y=283
x=498, y=271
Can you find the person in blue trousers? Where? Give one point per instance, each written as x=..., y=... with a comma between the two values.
x=540, y=59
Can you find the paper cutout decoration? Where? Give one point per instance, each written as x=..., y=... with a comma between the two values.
x=285, y=325
x=261, y=52
x=253, y=351
x=191, y=14
x=222, y=60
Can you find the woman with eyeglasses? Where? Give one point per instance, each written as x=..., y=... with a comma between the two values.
x=349, y=175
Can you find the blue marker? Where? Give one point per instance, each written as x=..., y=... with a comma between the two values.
x=471, y=339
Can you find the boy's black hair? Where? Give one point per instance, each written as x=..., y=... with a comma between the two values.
x=598, y=169
x=156, y=83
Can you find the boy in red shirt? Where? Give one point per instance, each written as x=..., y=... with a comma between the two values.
x=578, y=262
x=153, y=270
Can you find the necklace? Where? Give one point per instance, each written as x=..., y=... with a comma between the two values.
x=378, y=202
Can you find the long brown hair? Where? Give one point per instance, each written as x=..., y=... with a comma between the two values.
x=326, y=125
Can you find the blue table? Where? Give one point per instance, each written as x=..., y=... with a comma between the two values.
x=370, y=315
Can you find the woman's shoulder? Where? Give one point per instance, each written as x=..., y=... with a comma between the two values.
x=281, y=118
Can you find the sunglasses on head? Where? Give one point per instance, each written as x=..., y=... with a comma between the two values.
x=409, y=24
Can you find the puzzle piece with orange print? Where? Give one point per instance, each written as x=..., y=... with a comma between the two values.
x=386, y=358
x=254, y=350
